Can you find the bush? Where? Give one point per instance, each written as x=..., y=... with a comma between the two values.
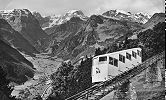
x=69, y=79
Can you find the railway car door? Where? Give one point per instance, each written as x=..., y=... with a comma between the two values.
x=113, y=67
x=100, y=69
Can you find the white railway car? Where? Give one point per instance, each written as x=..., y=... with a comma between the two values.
x=109, y=65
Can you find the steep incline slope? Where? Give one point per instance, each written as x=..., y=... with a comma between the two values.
x=15, y=39
x=14, y=64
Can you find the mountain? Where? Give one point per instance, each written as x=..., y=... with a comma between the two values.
x=70, y=14
x=51, y=21
x=63, y=33
x=15, y=39
x=43, y=21
x=154, y=20
x=27, y=25
x=77, y=37
x=73, y=35
x=122, y=15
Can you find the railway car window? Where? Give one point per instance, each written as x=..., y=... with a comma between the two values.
x=116, y=62
x=102, y=58
x=121, y=58
x=139, y=52
x=134, y=54
x=111, y=61
x=128, y=56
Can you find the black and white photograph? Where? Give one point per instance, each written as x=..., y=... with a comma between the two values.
x=82, y=50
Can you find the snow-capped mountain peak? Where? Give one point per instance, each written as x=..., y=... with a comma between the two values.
x=141, y=17
x=123, y=15
x=75, y=12
x=123, y=12
x=15, y=12
x=55, y=16
x=72, y=11
x=144, y=14
x=60, y=19
x=113, y=13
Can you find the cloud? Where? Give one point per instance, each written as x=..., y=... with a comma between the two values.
x=4, y=3
x=148, y=6
x=87, y=6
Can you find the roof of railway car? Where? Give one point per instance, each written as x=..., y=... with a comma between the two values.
x=115, y=52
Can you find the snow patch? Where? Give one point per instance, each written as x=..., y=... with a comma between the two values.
x=72, y=11
x=6, y=11
x=123, y=12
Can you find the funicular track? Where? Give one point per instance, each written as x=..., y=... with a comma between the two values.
x=100, y=90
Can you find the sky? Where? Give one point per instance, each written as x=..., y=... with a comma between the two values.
x=89, y=7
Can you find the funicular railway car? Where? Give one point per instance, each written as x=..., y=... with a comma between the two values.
x=109, y=65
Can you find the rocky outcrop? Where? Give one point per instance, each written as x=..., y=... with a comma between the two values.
x=154, y=73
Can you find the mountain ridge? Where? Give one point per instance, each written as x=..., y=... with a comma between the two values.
x=155, y=19
x=116, y=14
x=122, y=15
x=60, y=19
